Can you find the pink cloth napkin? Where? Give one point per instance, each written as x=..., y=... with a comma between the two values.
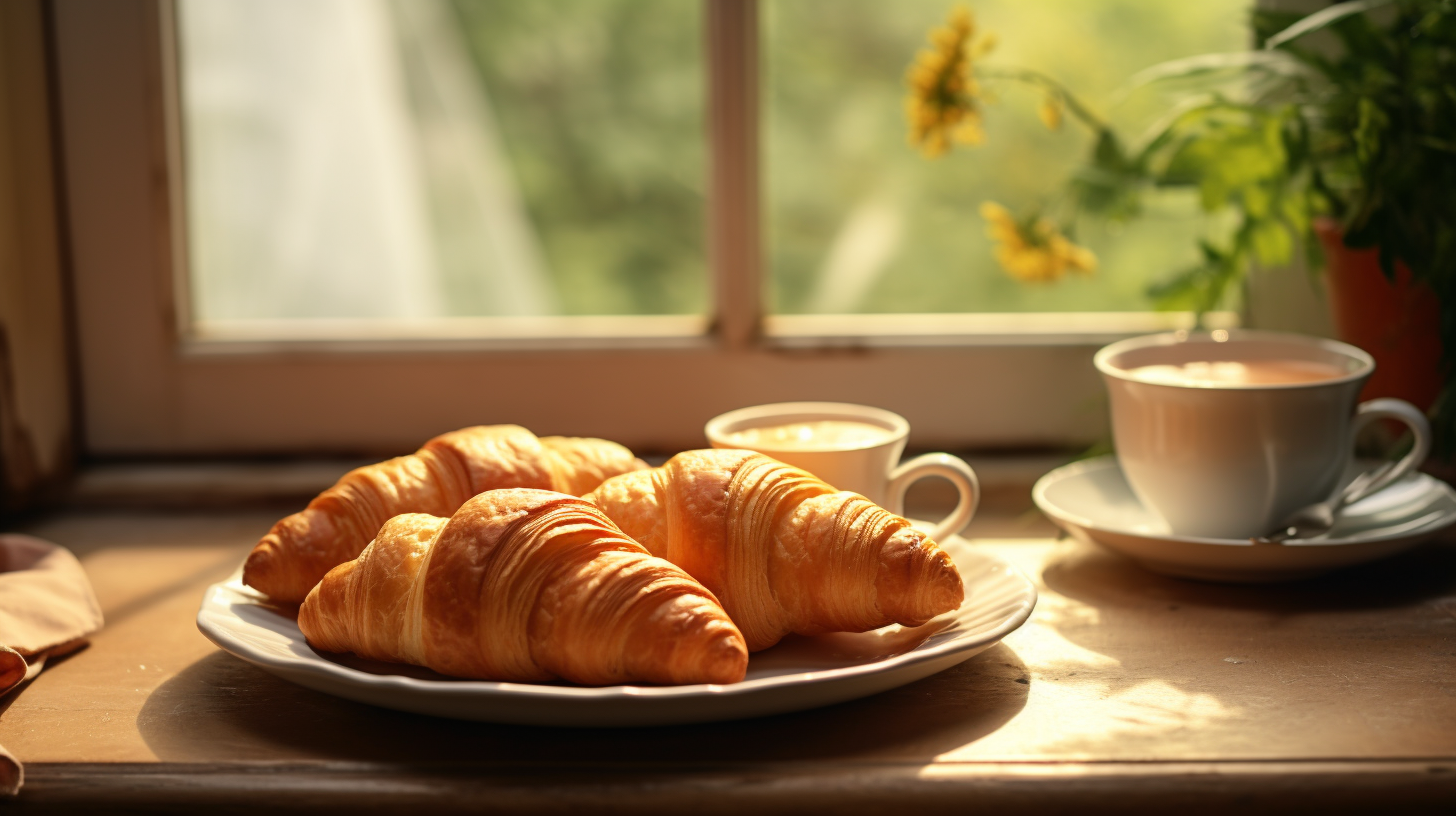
x=47, y=609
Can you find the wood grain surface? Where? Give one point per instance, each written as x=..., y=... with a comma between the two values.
x=1124, y=691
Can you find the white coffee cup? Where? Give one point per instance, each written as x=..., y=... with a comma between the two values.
x=1231, y=452
x=866, y=466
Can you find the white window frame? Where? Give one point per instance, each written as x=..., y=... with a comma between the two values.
x=153, y=384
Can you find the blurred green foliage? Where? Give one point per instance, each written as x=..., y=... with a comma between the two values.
x=600, y=105
x=1345, y=112
x=836, y=158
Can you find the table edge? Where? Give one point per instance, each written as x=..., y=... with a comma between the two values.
x=1124, y=786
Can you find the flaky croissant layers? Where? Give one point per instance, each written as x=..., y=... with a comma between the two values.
x=782, y=550
x=524, y=585
x=437, y=479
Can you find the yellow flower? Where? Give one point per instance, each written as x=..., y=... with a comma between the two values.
x=986, y=45
x=1033, y=250
x=943, y=103
x=1051, y=112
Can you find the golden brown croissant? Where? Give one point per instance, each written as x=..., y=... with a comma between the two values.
x=781, y=549
x=524, y=585
x=436, y=479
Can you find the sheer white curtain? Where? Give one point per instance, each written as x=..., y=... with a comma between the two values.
x=342, y=161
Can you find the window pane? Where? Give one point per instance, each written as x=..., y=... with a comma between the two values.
x=429, y=158
x=858, y=221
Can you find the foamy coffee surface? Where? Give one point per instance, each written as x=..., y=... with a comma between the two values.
x=1216, y=373
x=819, y=434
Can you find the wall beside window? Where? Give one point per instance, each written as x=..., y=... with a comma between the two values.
x=36, y=440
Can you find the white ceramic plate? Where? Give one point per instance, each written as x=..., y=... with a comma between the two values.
x=1092, y=501
x=798, y=673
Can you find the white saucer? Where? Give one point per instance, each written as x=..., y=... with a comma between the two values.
x=1092, y=501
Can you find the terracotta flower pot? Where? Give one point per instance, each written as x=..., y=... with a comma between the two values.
x=1397, y=323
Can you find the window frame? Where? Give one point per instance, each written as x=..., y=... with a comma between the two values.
x=154, y=384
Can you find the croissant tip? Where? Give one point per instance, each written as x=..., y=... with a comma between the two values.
x=950, y=590
x=945, y=589
x=725, y=661
x=687, y=640
x=262, y=571
x=258, y=565
x=918, y=580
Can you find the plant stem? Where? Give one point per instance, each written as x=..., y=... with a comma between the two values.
x=1074, y=105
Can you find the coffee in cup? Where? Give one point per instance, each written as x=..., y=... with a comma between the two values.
x=1225, y=434
x=1215, y=373
x=813, y=435
x=851, y=447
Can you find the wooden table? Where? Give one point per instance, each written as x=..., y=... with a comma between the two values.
x=1124, y=692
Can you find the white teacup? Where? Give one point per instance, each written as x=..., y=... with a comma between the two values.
x=851, y=447
x=1225, y=434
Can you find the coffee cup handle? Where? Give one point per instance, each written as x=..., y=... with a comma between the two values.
x=938, y=464
x=1373, y=481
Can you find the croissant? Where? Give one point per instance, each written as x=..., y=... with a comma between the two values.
x=523, y=585
x=436, y=479
x=781, y=549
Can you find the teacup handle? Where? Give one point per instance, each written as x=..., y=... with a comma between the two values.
x=937, y=464
x=1373, y=481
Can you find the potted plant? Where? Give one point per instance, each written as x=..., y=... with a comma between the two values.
x=1338, y=125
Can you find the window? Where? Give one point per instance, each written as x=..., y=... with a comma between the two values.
x=174, y=363
x=429, y=159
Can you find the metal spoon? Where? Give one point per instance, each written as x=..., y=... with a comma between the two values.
x=1315, y=519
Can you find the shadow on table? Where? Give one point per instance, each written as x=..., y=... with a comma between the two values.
x=221, y=709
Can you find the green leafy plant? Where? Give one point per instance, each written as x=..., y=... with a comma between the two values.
x=1347, y=113
x=1358, y=128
